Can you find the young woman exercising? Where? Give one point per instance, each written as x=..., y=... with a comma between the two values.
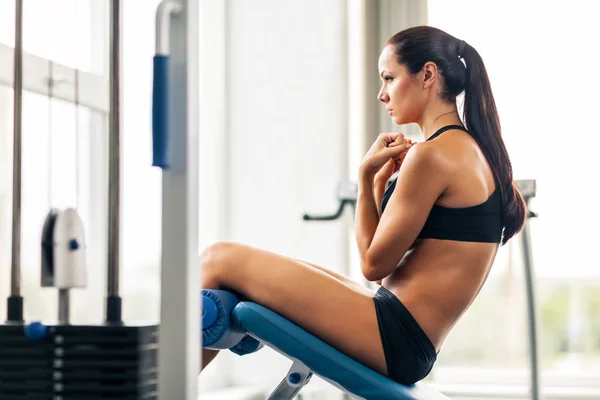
x=429, y=238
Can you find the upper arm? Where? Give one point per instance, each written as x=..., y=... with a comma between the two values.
x=421, y=180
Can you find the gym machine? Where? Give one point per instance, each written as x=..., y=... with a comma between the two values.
x=61, y=361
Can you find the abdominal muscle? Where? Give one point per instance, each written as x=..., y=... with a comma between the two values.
x=437, y=281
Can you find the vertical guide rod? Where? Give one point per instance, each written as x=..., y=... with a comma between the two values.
x=113, y=309
x=15, y=301
x=531, y=306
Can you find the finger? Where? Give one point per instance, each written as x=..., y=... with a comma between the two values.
x=390, y=137
x=395, y=151
x=397, y=141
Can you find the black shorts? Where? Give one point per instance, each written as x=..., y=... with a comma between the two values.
x=409, y=354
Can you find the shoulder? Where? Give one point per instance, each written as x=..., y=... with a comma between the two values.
x=452, y=143
x=425, y=158
x=446, y=153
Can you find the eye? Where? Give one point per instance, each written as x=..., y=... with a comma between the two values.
x=387, y=78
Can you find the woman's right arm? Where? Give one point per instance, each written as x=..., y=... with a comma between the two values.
x=379, y=188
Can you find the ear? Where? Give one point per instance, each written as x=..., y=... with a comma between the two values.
x=429, y=75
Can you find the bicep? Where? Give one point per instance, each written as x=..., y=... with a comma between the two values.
x=420, y=183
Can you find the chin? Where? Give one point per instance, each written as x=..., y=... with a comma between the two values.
x=397, y=120
x=402, y=120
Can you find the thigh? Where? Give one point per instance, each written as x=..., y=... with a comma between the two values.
x=339, y=314
x=342, y=278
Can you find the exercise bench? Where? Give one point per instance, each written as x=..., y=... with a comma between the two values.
x=244, y=327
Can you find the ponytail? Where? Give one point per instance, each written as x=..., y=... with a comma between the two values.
x=481, y=119
x=416, y=46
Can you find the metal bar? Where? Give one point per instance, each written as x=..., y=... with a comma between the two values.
x=114, y=156
x=163, y=24
x=113, y=300
x=77, y=142
x=15, y=287
x=531, y=310
x=179, y=330
x=63, y=306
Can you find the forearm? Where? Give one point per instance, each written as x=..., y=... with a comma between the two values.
x=367, y=214
x=379, y=188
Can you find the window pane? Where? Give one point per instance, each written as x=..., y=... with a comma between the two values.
x=65, y=31
x=545, y=117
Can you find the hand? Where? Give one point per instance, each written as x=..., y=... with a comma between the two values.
x=392, y=165
x=389, y=149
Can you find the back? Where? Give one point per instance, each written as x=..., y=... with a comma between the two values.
x=446, y=267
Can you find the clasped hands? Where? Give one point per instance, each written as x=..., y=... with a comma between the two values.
x=385, y=156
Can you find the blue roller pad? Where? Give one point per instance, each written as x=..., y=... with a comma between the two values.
x=221, y=333
x=325, y=361
x=217, y=330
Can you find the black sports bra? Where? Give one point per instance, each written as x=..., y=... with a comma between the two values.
x=480, y=223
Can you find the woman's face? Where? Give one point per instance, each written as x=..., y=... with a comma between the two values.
x=401, y=93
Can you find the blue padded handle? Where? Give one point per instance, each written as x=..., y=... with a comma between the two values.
x=160, y=112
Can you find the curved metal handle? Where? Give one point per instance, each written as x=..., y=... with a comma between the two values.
x=332, y=217
x=160, y=85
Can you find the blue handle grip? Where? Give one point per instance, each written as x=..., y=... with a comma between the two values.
x=160, y=112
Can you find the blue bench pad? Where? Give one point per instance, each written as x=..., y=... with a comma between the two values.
x=325, y=361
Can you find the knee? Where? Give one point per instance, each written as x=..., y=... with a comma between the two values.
x=216, y=256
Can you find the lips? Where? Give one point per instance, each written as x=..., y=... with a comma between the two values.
x=390, y=112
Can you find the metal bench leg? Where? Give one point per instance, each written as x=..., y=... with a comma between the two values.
x=297, y=377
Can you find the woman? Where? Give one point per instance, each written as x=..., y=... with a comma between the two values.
x=429, y=239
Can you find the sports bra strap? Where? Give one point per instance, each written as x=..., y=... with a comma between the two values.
x=446, y=128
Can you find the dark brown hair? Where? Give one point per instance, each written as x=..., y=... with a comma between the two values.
x=416, y=46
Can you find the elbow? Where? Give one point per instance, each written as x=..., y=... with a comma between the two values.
x=370, y=274
x=373, y=271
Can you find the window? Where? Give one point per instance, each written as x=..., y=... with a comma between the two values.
x=65, y=151
x=65, y=105
x=548, y=123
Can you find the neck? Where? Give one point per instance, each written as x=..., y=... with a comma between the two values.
x=437, y=118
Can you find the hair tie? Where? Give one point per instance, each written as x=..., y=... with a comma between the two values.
x=461, y=49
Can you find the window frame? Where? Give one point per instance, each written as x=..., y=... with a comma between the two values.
x=39, y=74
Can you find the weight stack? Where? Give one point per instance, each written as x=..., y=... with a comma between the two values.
x=64, y=362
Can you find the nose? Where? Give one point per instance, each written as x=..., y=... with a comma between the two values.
x=383, y=96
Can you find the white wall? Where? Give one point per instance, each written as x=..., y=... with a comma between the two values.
x=286, y=142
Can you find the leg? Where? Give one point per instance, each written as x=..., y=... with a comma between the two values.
x=342, y=278
x=209, y=355
x=339, y=314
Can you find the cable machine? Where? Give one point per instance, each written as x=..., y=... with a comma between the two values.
x=114, y=359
